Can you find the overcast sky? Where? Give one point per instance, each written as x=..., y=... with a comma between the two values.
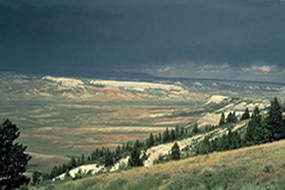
x=230, y=39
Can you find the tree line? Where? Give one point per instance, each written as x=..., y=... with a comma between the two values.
x=136, y=150
x=260, y=129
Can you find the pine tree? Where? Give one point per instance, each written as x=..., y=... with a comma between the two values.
x=245, y=115
x=135, y=159
x=237, y=142
x=274, y=121
x=13, y=160
x=222, y=120
x=150, y=141
x=234, y=117
x=256, y=132
x=231, y=118
x=36, y=178
x=204, y=147
x=229, y=140
x=165, y=137
x=82, y=160
x=182, y=132
x=251, y=130
x=177, y=132
x=118, y=152
x=108, y=158
x=54, y=172
x=223, y=143
x=175, y=152
x=72, y=162
x=228, y=119
x=172, y=135
x=195, y=129
x=158, y=139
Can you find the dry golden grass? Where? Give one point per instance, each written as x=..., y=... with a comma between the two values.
x=48, y=137
x=250, y=162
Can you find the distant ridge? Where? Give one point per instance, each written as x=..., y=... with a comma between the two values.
x=134, y=76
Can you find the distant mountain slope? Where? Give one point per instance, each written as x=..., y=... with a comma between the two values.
x=29, y=86
x=13, y=84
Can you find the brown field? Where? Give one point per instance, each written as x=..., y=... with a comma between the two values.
x=45, y=162
x=69, y=128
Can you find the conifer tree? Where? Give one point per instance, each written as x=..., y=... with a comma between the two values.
x=222, y=120
x=274, y=121
x=182, y=132
x=135, y=159
x=245, y=115
x=172, y=135
x=175, y=152
x=204, y=147
x=228, y=119
x=72, y=162
x=158, y=139
x=195, y=129
x=166, y=136
x=236, y=141
x=82, y=160
x=108, y=158
x=118, y=153
x=234, y=119
x=150, y=141
x=177, y=132
x=256, y=132
x=13, y=160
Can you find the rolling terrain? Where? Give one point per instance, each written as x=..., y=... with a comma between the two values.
x=61, y=117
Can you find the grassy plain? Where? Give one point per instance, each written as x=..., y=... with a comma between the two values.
x=59, y=128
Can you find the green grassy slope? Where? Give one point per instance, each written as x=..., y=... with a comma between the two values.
x=257, y=167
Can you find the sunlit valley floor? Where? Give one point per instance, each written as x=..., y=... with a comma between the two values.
x=62, y=117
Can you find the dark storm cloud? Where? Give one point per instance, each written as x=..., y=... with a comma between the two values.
x=82, y=36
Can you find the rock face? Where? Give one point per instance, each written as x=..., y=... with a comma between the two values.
x=123, y=162
x=91, y=168
x=109, y=90
x=217, y=99
x=65, y=82
x=138, y=86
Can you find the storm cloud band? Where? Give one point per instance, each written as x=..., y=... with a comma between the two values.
x=158, y=37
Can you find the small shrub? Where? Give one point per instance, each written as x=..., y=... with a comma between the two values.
x=186, y=181
x=50, y=187
x=23, y=187
x=268, y=168
x=152, y=182
x=36, y=178
x=162, y=159
x=260, y=187
x=219, y=179
x=117, y=184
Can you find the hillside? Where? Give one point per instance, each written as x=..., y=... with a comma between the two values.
x=256, y=167
x=188, y=145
